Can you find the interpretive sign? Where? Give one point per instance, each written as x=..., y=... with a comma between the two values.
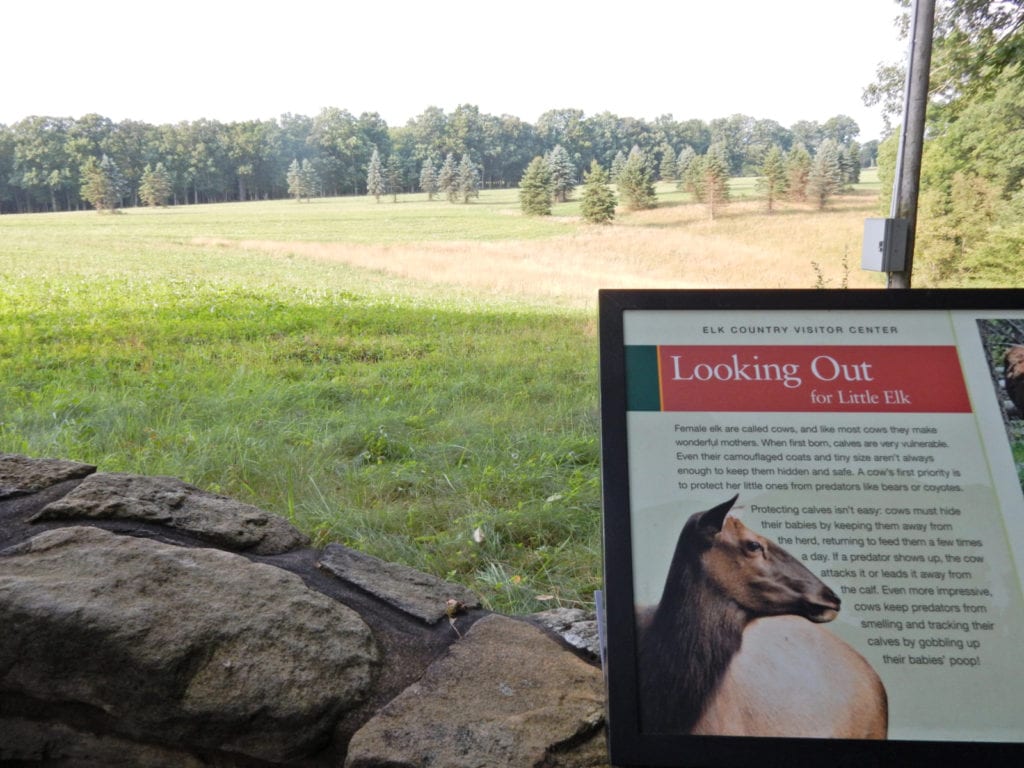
x=813, y=526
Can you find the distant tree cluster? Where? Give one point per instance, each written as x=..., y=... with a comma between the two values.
x=551, y=179
x=51, y=163
x=155, y=186
x=796, y=175
x=102, y=184
x=302, y=180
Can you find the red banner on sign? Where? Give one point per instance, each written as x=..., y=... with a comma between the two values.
x=898, y=379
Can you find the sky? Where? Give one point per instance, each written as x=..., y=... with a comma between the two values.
x=783, y=60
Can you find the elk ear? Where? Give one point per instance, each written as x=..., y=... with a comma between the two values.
x=712, y=520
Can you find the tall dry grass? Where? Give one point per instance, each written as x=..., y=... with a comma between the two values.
x=674, y=246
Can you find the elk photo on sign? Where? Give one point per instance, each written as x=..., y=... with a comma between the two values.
x=735, y=645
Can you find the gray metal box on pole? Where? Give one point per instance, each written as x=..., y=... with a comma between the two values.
x=885, y=245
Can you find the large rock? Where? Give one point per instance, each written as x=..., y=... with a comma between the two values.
x=176, y=505
x=413, y=592
x=28, y=742
x=506, y=696
x=577, y=627
x=188, y=646
x=20, y=475
x=145, y=622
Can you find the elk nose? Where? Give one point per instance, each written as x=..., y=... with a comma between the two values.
x=830, y=598
x=825, y=607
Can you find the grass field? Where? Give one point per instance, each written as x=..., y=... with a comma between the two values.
x=416, y=379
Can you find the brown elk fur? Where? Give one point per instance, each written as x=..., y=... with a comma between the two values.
x=1013, y=376
x=734, y=647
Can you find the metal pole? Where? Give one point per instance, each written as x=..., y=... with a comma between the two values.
x=908, y=156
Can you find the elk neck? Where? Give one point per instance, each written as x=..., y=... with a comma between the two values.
x=697, y=629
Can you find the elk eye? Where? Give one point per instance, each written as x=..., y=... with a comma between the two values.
x=753, y=546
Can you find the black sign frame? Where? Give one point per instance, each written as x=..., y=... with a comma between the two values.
x=629, y=745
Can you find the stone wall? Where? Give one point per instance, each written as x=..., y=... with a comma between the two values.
x=146, y=622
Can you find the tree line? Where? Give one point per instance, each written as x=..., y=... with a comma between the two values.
x=794, y=175
x=59, y=164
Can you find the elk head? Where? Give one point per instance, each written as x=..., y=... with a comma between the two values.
x=755, y=572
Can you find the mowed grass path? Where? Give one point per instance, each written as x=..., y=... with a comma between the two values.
x=415, y=379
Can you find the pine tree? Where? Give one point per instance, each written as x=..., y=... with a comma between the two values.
x=309, y=179
x=294, y=179
x=102, y=184
x=798, y=167
x=636, y=189
x=618, y=162
x=826, y=176
x=669, y=168
x=714, y=179
x=467, y=179
x=683, y=163
x=535, y=188
x=375, y=176
x=155, y=186
x=850, y=159
x=447, y=183
x=428, y=178
x=563, y=173
x=394, y=177
x=302, y=179
x=772, y=182
x=598, y=204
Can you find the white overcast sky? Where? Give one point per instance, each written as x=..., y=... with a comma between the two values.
x=163, y=62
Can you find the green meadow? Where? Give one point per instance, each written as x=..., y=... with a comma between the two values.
x=273, y=352
x=395, y=417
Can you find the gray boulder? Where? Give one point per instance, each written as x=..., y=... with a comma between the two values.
x=506, y=695
x=146, y=622
x=418, y=594
x=20, y=475
x=577, y=627
x=184, y=645
x=29, y=742
x=169, y=502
